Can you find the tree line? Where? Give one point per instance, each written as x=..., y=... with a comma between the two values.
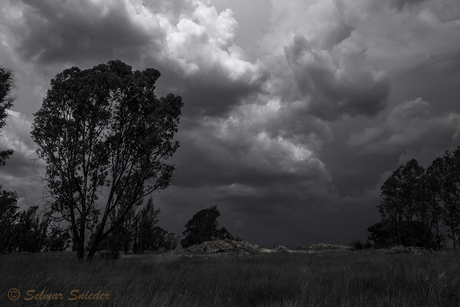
x=30, y=231
x=421, y=207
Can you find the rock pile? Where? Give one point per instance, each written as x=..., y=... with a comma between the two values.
x=221, y=246
x=324, y=247
x=407, y=250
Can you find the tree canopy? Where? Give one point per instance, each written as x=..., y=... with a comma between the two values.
x=106, y=140
x=418, y=202
x=6, y=102
x=203, y=227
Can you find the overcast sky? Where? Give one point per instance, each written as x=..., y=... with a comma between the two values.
x=295, y=111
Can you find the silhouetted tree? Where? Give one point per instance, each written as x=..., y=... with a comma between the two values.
x=445, y=184
x=8, y=220
x=104, y=130
x=405, y=206
x=6, y=102
x=171, y=241
x=8, y=200
x=58, y=239
x=416, y=203
x=31, y=231
x=145, y=236
x=384, y=235
x=158, y=238
x=203, y=227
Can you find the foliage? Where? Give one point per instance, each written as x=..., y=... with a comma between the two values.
x=171, y=241
x=146, y=233
x=8, y=200
x=357, y=244
x=31, y=231
x=416, y=203
x=27, y=231
x=8, y=220
x=203, y=227
x=58, y=239
x=142, y=235
x=385, y=235
x=445, y=183
x=102, y=131
x=6, y=102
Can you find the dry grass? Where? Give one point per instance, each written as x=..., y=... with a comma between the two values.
x=275, y=279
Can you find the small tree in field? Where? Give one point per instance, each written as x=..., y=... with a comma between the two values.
x=203, y=227
x=106, y=139
x=171, y=241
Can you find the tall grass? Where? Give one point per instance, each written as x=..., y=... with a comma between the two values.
x=277, y=279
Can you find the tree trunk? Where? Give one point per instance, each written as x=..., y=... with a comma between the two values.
x=452, y=228
x=92, y=251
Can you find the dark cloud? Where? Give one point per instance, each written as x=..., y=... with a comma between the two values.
x=75, y=32
x=251, y=160
x=210, y=94
x=410, y=125
x=339, y=83
x=190, y=43
x=291, y=139
x=401, y=4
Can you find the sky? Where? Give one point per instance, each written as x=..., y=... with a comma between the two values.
x=295, y=112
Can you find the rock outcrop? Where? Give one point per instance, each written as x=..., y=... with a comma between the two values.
x=324, y=247
x=407, y=250
x=220, y=246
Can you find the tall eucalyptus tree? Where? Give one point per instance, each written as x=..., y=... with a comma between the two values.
x=106, y=139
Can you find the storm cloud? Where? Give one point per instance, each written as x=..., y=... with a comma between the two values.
x=294, y=114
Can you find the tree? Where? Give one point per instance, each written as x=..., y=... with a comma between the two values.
x=58, y=239
x=385, y=235
x=171, y=241
x=203, y=227
x=103, y=132
x=145, y=236
x=31, y=231
x=433, y=179
x=6, y=102
x=445, y=184
x=158, y=238
x=8, y=220
x=405, y=202
x=8, y=200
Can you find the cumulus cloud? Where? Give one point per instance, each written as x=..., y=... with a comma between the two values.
x=16, y=134
x=409, y=125
x=401, y=4
x=189, y=41
x=255, y=145
x=69, y=32
x=263, y=135
x=337, y=82
x=21, y=172
x=319, y=63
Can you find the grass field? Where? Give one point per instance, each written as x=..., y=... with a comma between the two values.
x=277, y=279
